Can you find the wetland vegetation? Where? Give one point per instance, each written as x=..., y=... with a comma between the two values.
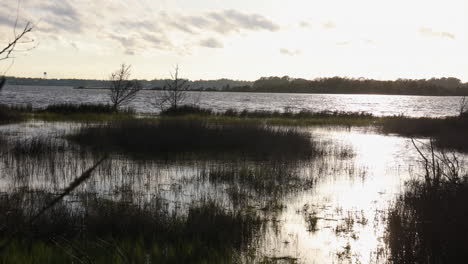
x=195, y=185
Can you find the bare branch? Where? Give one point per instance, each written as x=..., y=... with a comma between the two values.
x=6, y=52
x=463, y=107
x=122, y=90
x=71, y=187
x=18, y=39
x=174, y=92
x=440, y=166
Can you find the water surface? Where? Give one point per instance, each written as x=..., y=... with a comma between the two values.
x=380, y=105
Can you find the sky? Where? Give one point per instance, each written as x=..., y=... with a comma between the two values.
x=239, y=39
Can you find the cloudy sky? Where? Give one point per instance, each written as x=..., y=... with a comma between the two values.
x=241, y=39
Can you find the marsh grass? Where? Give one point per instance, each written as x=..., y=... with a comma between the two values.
x=38, y=147
x=82, y=112
x=429, y=222
x=287, y=118
x=66, y=109
x=102, y=231
x=149, y=227
x=449, y=132
x=13, y=114
x=265, y=182
x=188, y=139
x=186, y=110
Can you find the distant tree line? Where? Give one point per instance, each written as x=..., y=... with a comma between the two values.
x=332, y=85
x=205, y=85
x=340, y=85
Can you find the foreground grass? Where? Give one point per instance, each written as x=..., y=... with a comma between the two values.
x=106, y=231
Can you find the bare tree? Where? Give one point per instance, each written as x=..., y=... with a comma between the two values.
x=463, y=107
x=9, y=49
x=12, y=46
x=122, y=89
x=439, y=165
x=173, y=94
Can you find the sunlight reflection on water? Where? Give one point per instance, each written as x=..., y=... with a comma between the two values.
x=350, y=227
x=380, y=105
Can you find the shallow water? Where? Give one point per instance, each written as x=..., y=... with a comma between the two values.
x=380, y=105
x=349, y=203
x=348, y=199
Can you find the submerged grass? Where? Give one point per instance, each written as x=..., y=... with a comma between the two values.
x=265, y=182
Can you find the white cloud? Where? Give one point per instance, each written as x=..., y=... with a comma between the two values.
x=211, y=43
x=131, y=27
x=289, y=52
x=431, y=33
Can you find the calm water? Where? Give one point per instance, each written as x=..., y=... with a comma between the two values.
x=382, y=105
x=349, y=197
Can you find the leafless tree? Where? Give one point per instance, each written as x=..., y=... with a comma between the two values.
x=122, y=89
x=18, y=39
x=439, y=165
x=463, y=107
x=173, y=94
x=12, y=46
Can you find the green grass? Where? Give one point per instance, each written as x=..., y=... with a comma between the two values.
x=107, y=231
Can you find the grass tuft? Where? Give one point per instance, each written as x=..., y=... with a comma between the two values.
x=195, y=139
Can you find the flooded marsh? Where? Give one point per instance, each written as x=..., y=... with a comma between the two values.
x=323, y=198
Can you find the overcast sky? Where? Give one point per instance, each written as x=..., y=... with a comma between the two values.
x=242, y=39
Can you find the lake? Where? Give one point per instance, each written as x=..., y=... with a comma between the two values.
x=379, y=105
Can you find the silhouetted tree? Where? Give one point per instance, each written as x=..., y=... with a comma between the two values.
x=18, y=39
x=122, y=90
x=173, y=94
x=463, y=107
x=2, y=82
